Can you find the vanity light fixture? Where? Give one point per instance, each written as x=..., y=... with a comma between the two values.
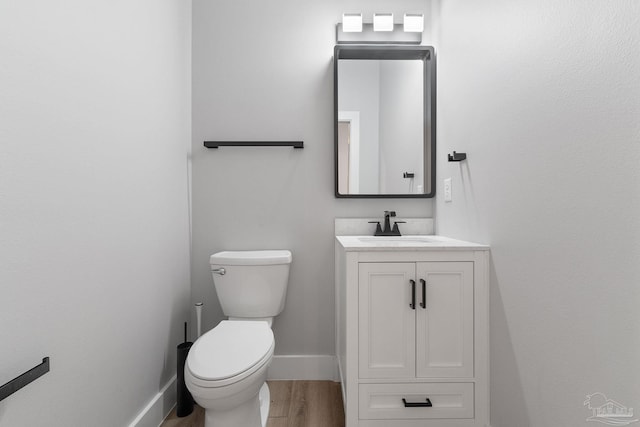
x=413, y=22
x=383, y=22
x=352, y=29
x=352, y=22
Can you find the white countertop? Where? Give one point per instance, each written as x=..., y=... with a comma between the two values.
x=406, y=243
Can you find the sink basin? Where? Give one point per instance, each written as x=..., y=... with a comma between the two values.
x=399, y=239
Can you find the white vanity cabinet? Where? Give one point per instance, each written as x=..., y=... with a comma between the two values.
x=412, y=332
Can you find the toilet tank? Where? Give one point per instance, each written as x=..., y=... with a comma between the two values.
x=254, y=283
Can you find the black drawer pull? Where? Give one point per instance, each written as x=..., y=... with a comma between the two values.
x=426, y=404
x=413, y=294
x=423, y=304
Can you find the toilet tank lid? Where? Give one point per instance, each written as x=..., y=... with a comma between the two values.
x=267, y=257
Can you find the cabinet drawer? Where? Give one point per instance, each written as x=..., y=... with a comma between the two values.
x=384, y=401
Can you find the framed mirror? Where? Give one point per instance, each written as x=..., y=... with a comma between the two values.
x=385, y=121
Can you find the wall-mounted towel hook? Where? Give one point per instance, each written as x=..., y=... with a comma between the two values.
x=457, y=157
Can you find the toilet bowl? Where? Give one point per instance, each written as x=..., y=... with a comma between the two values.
x=226, y=368
x=225, y=371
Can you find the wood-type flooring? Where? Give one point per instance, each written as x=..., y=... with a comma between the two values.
x=293, y=404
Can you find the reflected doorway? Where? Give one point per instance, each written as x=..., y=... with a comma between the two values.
x=349, y=152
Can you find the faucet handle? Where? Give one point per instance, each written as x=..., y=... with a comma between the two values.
x=378, y=228
x=395, y=229
x=390, y=213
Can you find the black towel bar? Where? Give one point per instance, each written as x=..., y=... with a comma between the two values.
x=17, y=383
x=216, y=144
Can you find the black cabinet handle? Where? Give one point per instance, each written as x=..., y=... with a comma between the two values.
x=413, y=294
x=425, y=404
x=423, y=304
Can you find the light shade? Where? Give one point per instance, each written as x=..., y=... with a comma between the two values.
x=413, y=22
x=352, y=22
x=383, y=22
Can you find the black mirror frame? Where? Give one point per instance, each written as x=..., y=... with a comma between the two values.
x=427, y=55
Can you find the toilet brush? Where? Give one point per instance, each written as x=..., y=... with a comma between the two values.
x=184, y=405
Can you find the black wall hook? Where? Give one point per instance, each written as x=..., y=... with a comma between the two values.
x=457, y=157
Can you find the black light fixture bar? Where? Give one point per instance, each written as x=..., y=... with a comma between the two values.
x=216, y=144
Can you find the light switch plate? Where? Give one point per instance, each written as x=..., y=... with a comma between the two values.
x=447, y=190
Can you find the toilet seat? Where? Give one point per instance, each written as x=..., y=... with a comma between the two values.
x=230, y=352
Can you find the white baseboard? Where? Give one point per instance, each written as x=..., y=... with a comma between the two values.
x=303, y=367
x=157, y=410
x=341, y=380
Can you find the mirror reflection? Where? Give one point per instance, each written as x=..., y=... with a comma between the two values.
x=380, y=132
x=383, y=138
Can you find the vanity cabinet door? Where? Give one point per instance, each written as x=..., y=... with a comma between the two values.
x=386, y=322
x=444, y=336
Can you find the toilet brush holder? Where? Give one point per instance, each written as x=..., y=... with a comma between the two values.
x=184, y=406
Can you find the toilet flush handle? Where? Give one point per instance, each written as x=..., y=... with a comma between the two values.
x=221, y=271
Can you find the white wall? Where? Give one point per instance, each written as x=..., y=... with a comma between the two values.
x=94, y=259
x=273, y=80
x=544, y=97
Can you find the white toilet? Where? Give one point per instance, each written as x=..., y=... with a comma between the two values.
x=226, y=367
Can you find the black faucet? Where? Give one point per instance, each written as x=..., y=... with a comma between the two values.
x=388, y=231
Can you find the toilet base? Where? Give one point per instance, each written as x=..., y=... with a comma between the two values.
x=253, y=413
